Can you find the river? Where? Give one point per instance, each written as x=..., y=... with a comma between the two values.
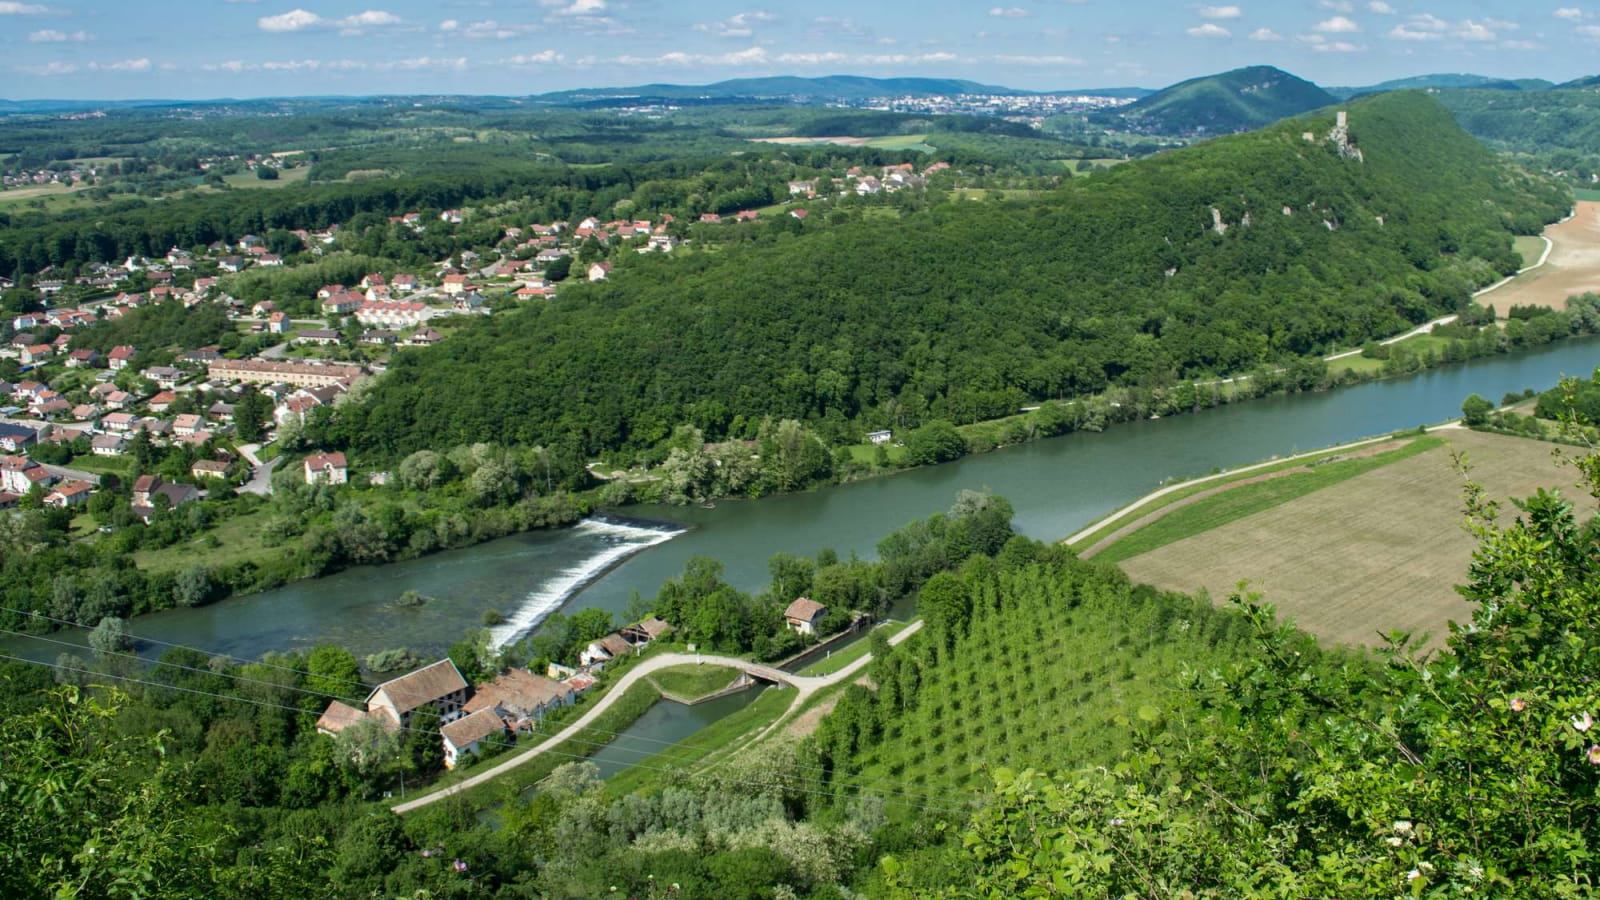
x=1056, y=485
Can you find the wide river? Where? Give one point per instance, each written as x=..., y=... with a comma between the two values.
x=1057, y=486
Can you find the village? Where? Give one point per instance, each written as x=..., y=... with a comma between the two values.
x=70, y=412
x=473, y=718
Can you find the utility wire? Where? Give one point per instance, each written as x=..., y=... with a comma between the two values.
x=885, y=796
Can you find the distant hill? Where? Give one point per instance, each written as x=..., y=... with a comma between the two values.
x=1445, y=80
x=1240, y=100
x=1585, y=82
x=841, y=87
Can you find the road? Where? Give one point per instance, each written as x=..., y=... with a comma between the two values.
x=73, y=474
x=805, y=686
x=260, y=473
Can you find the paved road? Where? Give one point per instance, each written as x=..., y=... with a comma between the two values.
x=73, y=474
x=805, y=686
x=260, y=473
x=275, y=352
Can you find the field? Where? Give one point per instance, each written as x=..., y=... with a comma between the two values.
x=1529, y=247
x=1231, y=502
x=285, y=178
x=50, y=198
x=1573, y=266
x=1378, y=551
x=917, y=142
x=236, y=540
x=690, y=682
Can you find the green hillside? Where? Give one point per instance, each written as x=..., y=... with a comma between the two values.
x=965, y=311
x=1442, y=80
x=1240, y=100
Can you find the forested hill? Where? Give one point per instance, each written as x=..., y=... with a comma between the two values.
x=1240, y=100
x=967, y=310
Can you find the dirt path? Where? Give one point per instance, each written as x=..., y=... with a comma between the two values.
x=1169, y=509
x=1572, y=266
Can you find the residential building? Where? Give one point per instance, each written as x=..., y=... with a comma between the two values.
x=598, y=653
x=805, y=615
x=464, y=735
x=327, y=468
x=438, y=683
x=69, y=494
x=521, y=698
x=209, y=468
x=299, y=374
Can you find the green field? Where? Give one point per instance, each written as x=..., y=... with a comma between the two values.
x=1247, y=499
x=102, y=465
x=689, y=682
x=285, y=178
x=1530, y=247
x=237, y=540
x=1587, y=194
x=1118, y=520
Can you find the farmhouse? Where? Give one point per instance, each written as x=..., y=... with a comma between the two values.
x=438, y=683
x=521, y=698
x=805, y=615
x=598, y=653
x=209, y=468
x=327, y=468
x=337, y=717
x=464, y=735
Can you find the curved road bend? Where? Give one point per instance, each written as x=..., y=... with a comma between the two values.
x=805, y=686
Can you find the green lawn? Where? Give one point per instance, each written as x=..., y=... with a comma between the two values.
x=1588, y=194
x=713, y=738
x=102, y=465
x=1248, y=499
x=1117, y=520
x=238, y=539
x=1531, y=247
x=841, y=658
x=285, y=178
x=691, y=681
x=901, y=142
x=868, y=453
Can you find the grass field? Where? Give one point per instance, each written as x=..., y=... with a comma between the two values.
x=1243, y=500
x=237, y=539
x=102, y=465
x=1116, y=521
x=689, y=682
x=1374, y=552
x=1529, y=247
x=50, y=199
x=285, y=178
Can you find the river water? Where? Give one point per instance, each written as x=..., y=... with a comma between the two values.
x=1057, y=486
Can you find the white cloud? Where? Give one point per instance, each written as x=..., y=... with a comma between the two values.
x=1322, y=45
x=126, y=65
x=1039, y=60
x=739, y=26
x=1265, y=34
x=1336, y=25
x=50, y=68
x=580, y=8
x=52, y=36
x=449, y=25
x=12, y=8
x=1381, y=8
x=1220, y=12
x=1571, y=13
x=755, y=56
x=487, y=30
x=1208, y=30
x=293, y=20
x=1588, y=31
x=1429, y=27
x=1009, y=12
x=1521, y=45
x=304, y=19
x=542, y=58
x=1343, y=6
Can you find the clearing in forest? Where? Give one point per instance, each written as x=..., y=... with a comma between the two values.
x=1573, y=266
x=1375, y=552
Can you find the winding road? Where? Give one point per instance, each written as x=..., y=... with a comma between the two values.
x=805, y=687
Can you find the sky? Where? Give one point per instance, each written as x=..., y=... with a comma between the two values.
x=201, y=49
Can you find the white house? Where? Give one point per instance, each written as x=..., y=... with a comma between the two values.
x=805, y=615
x=328, y=468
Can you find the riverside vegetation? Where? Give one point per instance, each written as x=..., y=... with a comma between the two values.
x=1140, y=744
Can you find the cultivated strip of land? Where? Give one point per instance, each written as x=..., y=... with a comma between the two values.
x=1372, y=553
x=1570, y=265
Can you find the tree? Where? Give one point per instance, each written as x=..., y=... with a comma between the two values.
x=935, y=442
x=111, y=636
x=1475, y=411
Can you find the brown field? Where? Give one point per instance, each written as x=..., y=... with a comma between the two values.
x=1380, y=551
x=1573, y=266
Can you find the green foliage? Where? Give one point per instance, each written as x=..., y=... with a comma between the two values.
x=1239, y=100
x=901, y=329
x=1475, y=410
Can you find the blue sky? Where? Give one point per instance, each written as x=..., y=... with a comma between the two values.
x=114, y=49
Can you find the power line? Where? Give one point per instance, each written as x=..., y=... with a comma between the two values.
x=150, y=640
x=497, y=743
x=615, y=737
